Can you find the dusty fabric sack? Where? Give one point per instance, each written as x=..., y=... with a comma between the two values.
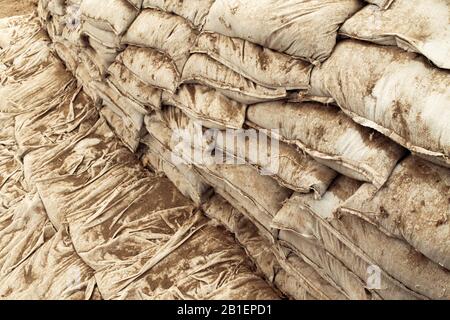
x=290, y=168
x=115, y=15
x=383, y=99
x=206, y=105
x=260, y=196
x=125, y=117
x=193, y=11
x=330, y=137
x=136, y=3
x=107, y=38
x=161, y=156
x=134, y=88
x=358, y=245
x=202, y=69
x=261, y=65
x=164, y=32
x=152, y=67
x=327, y=265
x=306, y=280
x=412, y=206
x=62, y=274
x=57, y=7
x=383, y=4
x=304, y=29
x=428, y=32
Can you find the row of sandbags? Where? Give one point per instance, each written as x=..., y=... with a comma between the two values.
x=80, y=218
x=188, y=67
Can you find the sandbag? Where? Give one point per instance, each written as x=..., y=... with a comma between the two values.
x=202, y=69
x=152, y=67
x=193, y=11
x=136, y=3
x=160, y=156
x=412, y=206
x=360, y=246
x=162, y=31
x=402, y=96
x=260, y=196
x=330, y=137
x=261, y=65
x=114, y=15
x=135, y=89
x=291, y=169
x=208, y=106
x=306, y=281
x=107, y=38
x=427, y=33
x=57, y=7
x=304, y=29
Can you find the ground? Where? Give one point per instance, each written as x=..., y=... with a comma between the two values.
x=15, y=7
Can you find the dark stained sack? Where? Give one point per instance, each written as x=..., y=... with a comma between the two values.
x=413, y=206
x=302, y=28
x=394, y=92
x=330, y=137
x=427, y=31
x=261, y=65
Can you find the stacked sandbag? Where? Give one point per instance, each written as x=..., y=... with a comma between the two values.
x=92, y=222
x=305, y=134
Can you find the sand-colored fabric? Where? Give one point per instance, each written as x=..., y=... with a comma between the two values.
x=306, y=284
x=160, y=156
x=207, y=106
x=330, y=137
x=261, y=65
x=383, y=4
x=193, y=11
x=107, y=38
x=152, y=67
x=202, y=69
x=359, y=245
x=260, y=196
x=134, y=88
x=115, y=15
x=164, y=32
x=284, y=163
x=394, y=92
x=304, y=29
x=413, y=206
x=428, y=35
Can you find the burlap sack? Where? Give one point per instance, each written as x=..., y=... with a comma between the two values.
x=56, y=7
x=397, y=93
x=135, y=89
x=164, y=32
x=114, y=15
x=412, y=206
x=304, y=29
x=290, y=168
x=207, y=106
x=136, y=3
x=426, y=33
x=193, y=11
x=202, y=69
x=330, y=137
x=151, y=67
x=68, y=54
x=261, y=65
x=360, y=246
